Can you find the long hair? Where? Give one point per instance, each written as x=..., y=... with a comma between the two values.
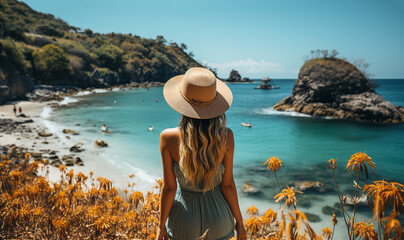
x=203, y=143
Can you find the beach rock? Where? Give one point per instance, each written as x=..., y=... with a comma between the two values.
x=56, y=163
x=68, y=137
x=76, y=148
x=312, y=217
x=44, y=134
x=36, y=155
x=45, y=142
x=328, y=210
x=66, y=131
x=250, y=189
x=308, y=185
x=12, y=152
x=100, y=143
x=79, y=161
x=69, y=162
x=330, y=87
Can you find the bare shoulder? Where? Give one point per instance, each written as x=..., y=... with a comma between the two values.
x=230, y=136
x=169, y=134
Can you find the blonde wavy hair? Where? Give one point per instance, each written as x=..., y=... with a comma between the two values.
x=203, y=144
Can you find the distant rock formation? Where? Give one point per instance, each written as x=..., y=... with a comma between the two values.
x=336, y=88
x=236, y=77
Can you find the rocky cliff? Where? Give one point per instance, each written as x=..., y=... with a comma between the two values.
x=335, y=88
x=235, y=77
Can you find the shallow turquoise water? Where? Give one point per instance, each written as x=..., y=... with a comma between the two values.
x=305, y=144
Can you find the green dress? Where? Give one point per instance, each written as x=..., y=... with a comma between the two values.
x=194, y=212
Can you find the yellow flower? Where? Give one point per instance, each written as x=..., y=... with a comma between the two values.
x=393, y=225
x=289, y=195
x=136, y=197
x=326, y=232
x=333, y=164
x=271, y=214
x=274, y=163
x=253, y=210
x=253, y=225
x=104, y=183
x=334, y=219
x=102, y=223
x=365, y=230
x=358, y=161
x=394, y=192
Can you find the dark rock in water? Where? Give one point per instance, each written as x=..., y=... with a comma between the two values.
x=304, y=202
x=328, y=210
x=100, y=143
x=335, y=88
x=236, y=77
x=45, y=142
x=312, y=217
x=250, y=189
x=308, y=185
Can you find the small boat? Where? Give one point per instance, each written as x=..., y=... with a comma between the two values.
x=266, y=84
x=247, y=124
x=150, y=128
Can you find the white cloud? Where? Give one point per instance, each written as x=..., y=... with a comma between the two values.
x=251, y=68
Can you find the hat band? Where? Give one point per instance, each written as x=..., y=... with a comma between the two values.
x=198, y=102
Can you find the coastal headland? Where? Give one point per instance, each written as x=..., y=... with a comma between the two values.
x=332, y=87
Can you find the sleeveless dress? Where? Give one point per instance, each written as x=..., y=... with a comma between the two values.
x=194, y=212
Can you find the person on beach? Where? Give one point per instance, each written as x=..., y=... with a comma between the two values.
x=199, y=155
x=20, y=110
x=15, y=110
x=104, y=128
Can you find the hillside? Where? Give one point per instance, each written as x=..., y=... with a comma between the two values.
x=43, y=49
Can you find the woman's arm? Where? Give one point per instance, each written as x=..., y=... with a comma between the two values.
x=167, y=139
x=228, y=186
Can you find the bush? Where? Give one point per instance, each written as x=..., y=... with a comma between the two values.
x=48, y=30
x=50, y=63
x=109, y=56
x=15, y=56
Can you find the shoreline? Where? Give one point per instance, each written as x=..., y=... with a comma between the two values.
x=22, y=131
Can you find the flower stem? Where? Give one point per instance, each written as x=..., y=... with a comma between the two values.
x=342, y=204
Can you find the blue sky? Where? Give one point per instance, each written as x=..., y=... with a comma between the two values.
x=258, y=38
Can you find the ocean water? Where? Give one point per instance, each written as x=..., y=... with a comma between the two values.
x=303, y=143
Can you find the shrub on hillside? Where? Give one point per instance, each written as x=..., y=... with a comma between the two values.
x=50, y=63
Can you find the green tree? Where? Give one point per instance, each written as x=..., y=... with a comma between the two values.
x=50, y=63
x=109, y=56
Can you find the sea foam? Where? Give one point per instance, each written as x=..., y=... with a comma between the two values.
x=46, y=112
x=68, y=100
x=272, y=111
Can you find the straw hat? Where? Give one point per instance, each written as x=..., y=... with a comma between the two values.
x=198, y=94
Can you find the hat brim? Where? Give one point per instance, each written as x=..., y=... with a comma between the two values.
x=174, y=98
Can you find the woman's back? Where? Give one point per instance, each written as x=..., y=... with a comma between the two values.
x=199, y=156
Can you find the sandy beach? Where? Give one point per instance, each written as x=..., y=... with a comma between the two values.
x=23, y=132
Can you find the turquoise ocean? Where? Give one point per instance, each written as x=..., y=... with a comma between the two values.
x=303, y=143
